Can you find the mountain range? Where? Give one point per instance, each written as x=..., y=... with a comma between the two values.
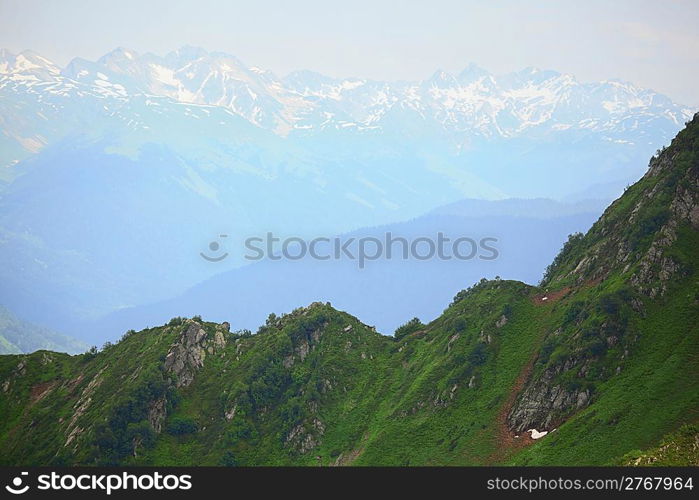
x=116, y=173
x=213, y=100
x=473, y=104
x=596, y=365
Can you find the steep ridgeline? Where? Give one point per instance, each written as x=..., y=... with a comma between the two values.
x=618, y=280
x=596, y=364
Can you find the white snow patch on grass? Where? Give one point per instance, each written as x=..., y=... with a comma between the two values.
x=536, y=434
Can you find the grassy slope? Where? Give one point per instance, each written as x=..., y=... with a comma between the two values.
x=410, y=428
x=392, y=409
x=655, y=392
x=394, y=406
x=678, y=448
x=88, y=386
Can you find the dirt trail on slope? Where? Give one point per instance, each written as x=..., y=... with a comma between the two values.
x=556, y=295
x=547, y=298
x=507, y=441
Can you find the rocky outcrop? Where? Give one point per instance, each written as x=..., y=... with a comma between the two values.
x=19, y=371
x=186, y=356
x=656, y=267
x=303, y=344
x=305, y=436
x=73, y=430
x=184, y=359
x=502, y=321
x=544, y=403
x=157, y=411
x=301, y=350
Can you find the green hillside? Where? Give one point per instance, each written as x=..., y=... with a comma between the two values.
x=602, y=357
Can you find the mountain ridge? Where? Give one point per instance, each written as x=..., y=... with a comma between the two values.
x=598, y=362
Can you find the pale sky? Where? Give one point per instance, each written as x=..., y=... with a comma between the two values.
x=651, y=43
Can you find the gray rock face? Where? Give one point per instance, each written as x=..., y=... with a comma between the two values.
x=303, y=346
x=156, y=413
x=184, y=359
x=186, y=356
x=305, y=437
x=544, y=404
x=657, y=268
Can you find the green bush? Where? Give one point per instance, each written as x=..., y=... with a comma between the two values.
x=176, y=321
x=478, y=354
x=182, y=425
x=228, y=459
x=408, y=328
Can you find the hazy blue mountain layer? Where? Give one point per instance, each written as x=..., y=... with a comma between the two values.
x=386, y=292
x=17, y=336
x=117, y=173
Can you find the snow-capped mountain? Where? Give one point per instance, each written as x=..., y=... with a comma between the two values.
x=473, y=105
